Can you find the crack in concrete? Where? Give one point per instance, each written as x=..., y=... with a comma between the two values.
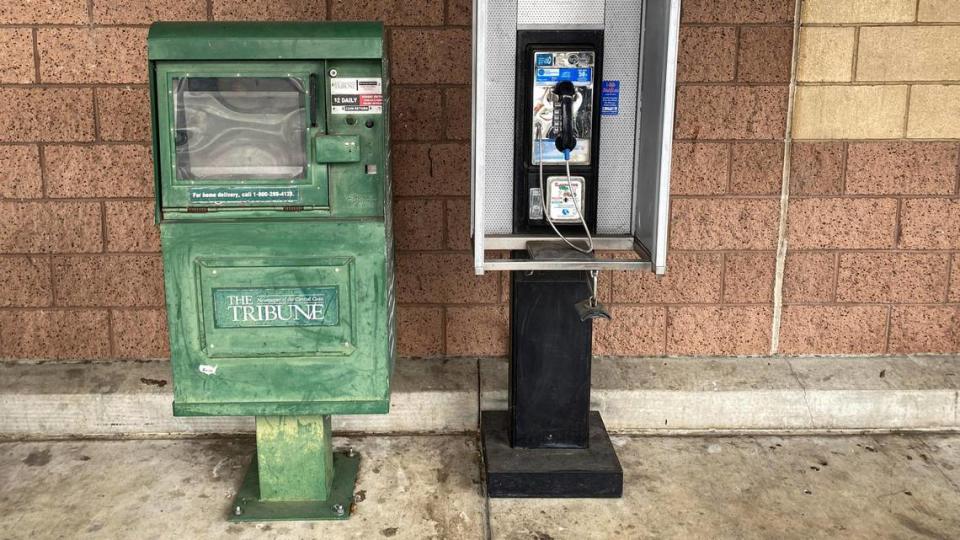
x=803, y=391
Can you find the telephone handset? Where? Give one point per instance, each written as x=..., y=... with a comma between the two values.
x=566, y=140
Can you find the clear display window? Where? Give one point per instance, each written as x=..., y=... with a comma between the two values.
x=240, y=128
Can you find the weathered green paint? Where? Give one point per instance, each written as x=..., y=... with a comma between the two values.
x=294, y=458
x=264, y=41
x=336, y=148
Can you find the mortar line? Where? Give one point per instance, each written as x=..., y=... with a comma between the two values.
x=785, y=190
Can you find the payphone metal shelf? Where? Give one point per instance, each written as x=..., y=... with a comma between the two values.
x=537, y=261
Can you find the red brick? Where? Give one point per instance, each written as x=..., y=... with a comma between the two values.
x=92, y=55
x=707, y=54
x=841, y=223
x=757, y=168
x=441, y=278
x=99, y=171
x=478, y=331
x=724, y=224
x=122, y=113
x=431, y=169
x=131, y=227
x=431, y=56
x=457, y=112
x=816, y=168
x=902, y=168
x=954, y=294
x=458, y=224
x=692, y=278
x=633, y=331
x=148, y=11
x=140, y=334
x=833, y=330
x=718, y=331
x=460, y=12
x=254, y=10
x=16, y=56
x=749, y=278
x=417, y=223
x=108, y=280
x=415, y=113
x=60, y=334
x=391, y=12
x=809, y=277
x=930, y=224
x=43, y=12
x=737, y=11
x=20, y=172
x=700, y=168
x=892, y=277
x=765, y=54
x=731, y=112
x=925, y=329
x=46, y=114
x=420, y=331
x=50, y=227
x=25, y=282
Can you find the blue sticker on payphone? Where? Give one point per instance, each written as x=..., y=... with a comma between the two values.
x=574, y=75
x=610, y=98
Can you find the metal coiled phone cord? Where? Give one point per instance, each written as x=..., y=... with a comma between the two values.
x=576, y=205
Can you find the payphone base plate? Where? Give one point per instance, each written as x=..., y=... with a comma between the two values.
x=337, y=506
x=592, y=472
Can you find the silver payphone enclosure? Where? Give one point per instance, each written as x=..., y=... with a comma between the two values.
x=640, y=40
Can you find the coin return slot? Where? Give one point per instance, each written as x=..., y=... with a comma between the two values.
x=371, y=168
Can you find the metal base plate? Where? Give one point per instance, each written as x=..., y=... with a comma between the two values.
x=557, y=251
x=592, y=472
x=247, y=505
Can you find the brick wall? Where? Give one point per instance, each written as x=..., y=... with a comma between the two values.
x=874, y=222
x=872, y=235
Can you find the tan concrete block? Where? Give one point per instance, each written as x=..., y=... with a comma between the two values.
x=930, y=224
x=699, y=168
x=478, y=331
x=699, y=224
x=46, y=114
x=419, y=331
x=427, y=56
x=849, y=112
x=694, y=278
x=925, y=329
x=939, y=11
x=42, y=334
x=16, y=56
x=108, y=280
x=414, y=113
x=748, y=278
x=458, y=224
x=140, y=334
x=130, y=226
x=443, y=278
x=50, y=227
x=20, y=172
x=719, y=331
x=633, y=331
x=934, y=112
x=148, y=11
x=809, y=277
x=123, y=113
x=391, y=12
x=902, y=168
x=826, y=54
x=97, y=55
x=908, y=53
x=99, y=171
x=43, y=12
x=833, y=330
x=818, y=223
x=853, y=11
x=707, y=54
x=417, y=223
x=892, y=277
x=255, y=10
x=431, y=169
x=25, y=282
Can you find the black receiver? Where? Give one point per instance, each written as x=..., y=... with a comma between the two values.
x=557, y=118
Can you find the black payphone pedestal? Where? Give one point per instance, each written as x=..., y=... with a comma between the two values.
x=549, y=443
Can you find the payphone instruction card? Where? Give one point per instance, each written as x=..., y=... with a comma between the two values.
x=356, y=95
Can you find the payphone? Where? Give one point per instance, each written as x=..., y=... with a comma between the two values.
x=572, y=131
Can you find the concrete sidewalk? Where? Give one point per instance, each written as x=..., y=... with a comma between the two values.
x=881, y=486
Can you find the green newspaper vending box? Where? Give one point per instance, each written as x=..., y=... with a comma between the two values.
x=271, y=158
